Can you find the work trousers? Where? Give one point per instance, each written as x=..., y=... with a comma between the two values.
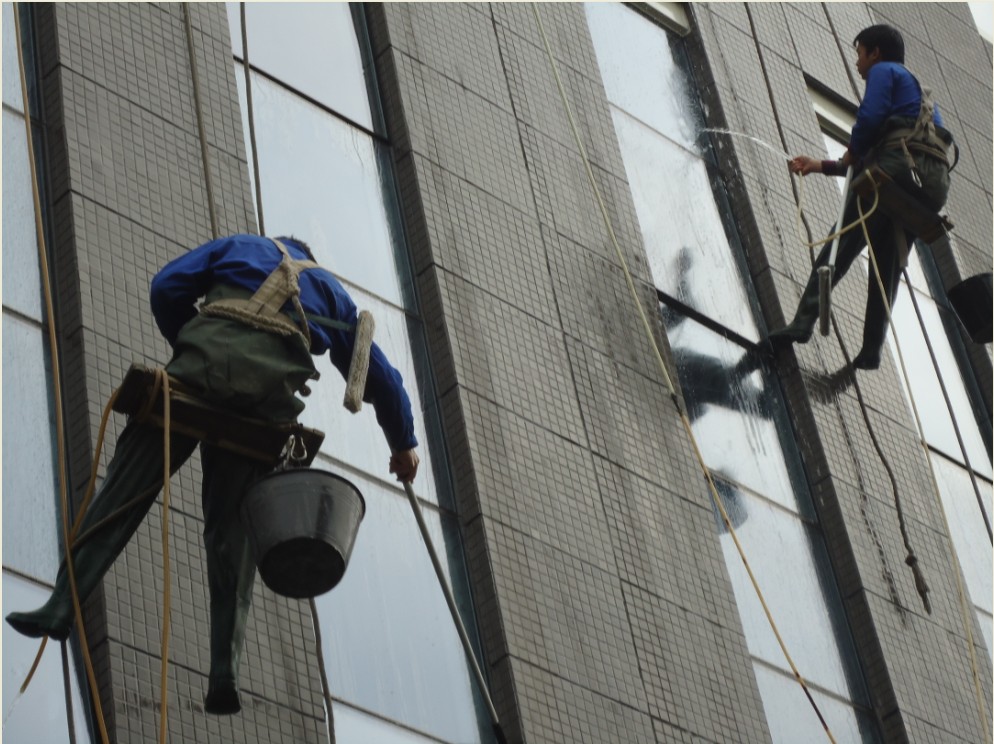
x=891, y=244
x=228, y=363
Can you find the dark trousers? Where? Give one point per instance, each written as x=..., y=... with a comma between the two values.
x=889, y=242
x=231, y=364
x=890, y=245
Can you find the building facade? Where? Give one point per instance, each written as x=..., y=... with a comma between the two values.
x=575, y=226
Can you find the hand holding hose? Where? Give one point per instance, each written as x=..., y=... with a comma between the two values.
x=804, y=165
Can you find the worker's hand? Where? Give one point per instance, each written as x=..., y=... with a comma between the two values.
x=804, y=165
x=405, y=465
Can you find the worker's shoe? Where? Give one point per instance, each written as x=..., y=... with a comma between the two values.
x=54, y=622
x=867, y=359
x=222, y=697
x=794, y=333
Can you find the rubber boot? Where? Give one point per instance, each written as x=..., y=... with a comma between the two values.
x=134, y=479
x=802, y=326
x=230, y=570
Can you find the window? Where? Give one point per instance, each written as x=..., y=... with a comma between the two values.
x=396, y=667
x=31, y=519
x=731, y=396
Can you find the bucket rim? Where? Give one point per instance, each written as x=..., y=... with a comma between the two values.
x=321, y=471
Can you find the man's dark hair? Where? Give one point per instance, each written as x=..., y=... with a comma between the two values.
x=300, y=244
x=885, y=38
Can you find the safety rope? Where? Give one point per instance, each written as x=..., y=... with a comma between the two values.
x=666, y=376
x=251, y=121
x=162, y=380
x=198, y=106
x=56, y=390
x=166, y=576
x=957, y=570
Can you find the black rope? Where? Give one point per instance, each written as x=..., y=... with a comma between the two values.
x=67, y=689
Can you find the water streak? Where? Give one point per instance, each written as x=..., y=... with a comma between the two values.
x=757, y=140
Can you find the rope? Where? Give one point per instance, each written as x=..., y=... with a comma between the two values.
x=325, y=687
x=166, y=588
x=56, y=390
x=669, y=383
x=67, y=691
x=967, y=625
x=251, y=120
x=197, y=104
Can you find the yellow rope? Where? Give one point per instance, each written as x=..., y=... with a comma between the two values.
x=166, y=578
x=56, y=385
x=967, y=624
x=861, y=220
x=662, y=365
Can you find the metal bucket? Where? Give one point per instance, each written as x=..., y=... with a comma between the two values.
x=973, y=302
x=302, y=525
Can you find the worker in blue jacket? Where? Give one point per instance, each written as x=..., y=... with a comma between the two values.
x=248, y=350
x=899, y=129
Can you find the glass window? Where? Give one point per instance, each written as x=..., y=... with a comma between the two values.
x=30, y=516
x=685, y=240
x=393, y=648
x=734, y=411
x=792, y=719
x=355, y=727
x=789, y=560
x=936, y=420
x=40, y=715
x=966, y=525
x=645, y=81
x=332, y=73
x=11, y=72
x=326, y=182
x=21, y=276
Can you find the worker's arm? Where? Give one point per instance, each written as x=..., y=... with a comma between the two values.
x=384, y=384
x=804, y=165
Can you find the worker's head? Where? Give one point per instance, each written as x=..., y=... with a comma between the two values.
x=299, y=243
x=874, y=44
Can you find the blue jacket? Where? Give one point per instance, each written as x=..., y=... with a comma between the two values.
x=245, y=261
x=890, y=91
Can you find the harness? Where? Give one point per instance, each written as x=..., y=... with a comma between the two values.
x=923, y=136
x=263, y=310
